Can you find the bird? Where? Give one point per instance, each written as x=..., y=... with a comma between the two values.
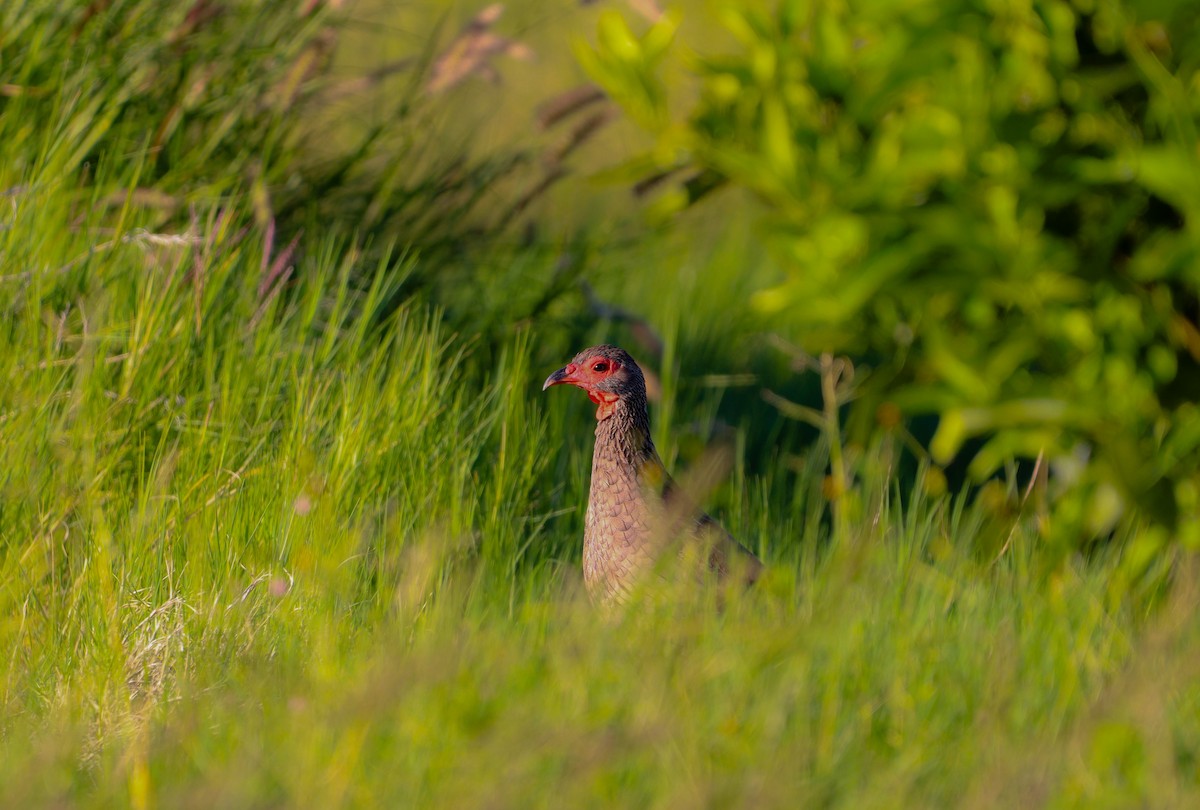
x=636, y=513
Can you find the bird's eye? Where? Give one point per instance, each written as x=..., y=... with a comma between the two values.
x=601, y=366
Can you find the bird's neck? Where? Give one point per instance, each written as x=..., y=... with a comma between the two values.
x=623, y=437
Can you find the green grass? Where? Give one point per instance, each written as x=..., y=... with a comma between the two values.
x=277, y=542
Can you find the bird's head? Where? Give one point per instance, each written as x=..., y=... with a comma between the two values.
x=608, y=374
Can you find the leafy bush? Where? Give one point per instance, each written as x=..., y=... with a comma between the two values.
x=996, y=205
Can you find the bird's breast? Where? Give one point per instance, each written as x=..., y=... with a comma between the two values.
x=617, y=536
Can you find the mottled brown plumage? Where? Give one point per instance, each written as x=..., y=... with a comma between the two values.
x=635, y=512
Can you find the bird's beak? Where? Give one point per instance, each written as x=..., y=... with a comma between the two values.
x=563, y=375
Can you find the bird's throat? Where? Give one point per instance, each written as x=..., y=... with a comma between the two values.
x=606, y=402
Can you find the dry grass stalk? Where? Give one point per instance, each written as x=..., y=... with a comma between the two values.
x=471, y=52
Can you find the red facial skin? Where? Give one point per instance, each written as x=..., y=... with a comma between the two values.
x=587, y=375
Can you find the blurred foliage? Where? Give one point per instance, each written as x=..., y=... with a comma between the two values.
x=166, y=109
x=203, y=90
x=994, y=205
